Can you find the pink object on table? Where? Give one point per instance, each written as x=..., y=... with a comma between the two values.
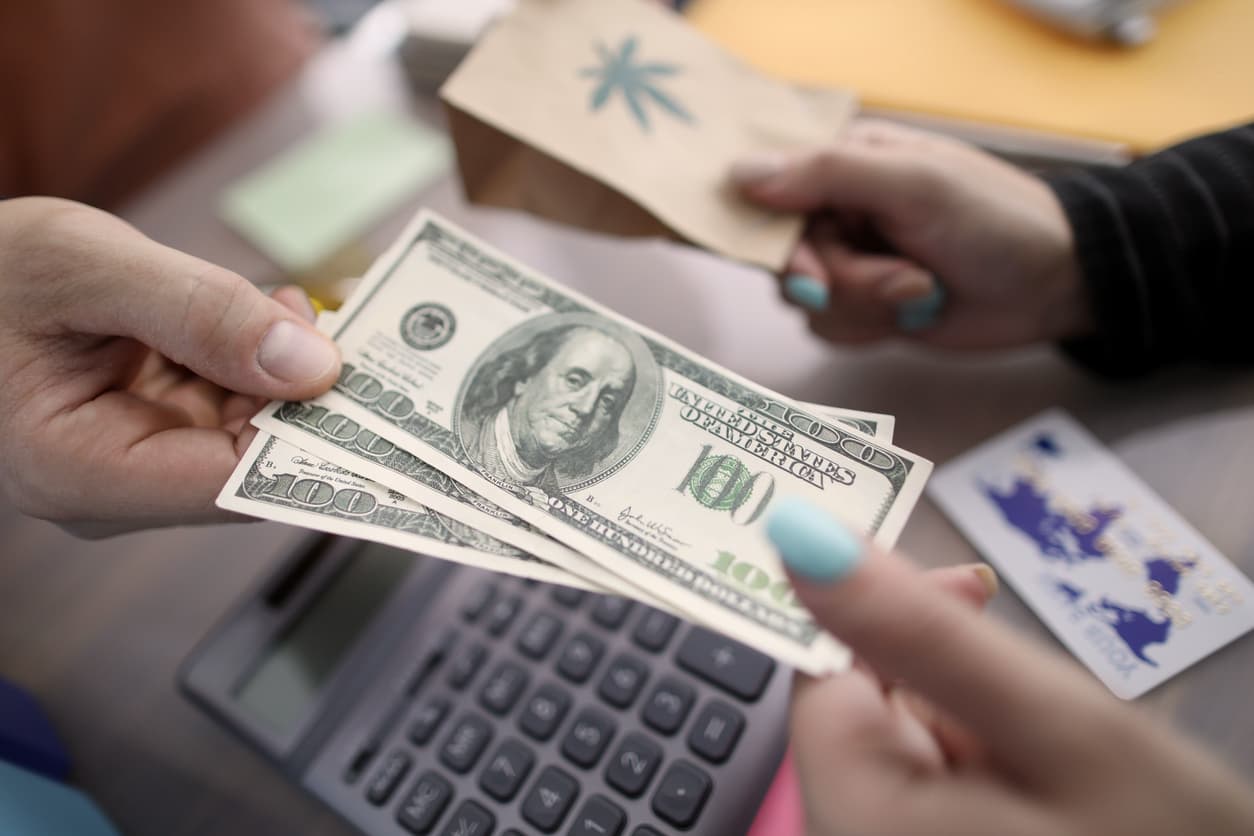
x=781, y=813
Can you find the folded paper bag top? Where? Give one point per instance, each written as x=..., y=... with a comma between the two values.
x=616, y=116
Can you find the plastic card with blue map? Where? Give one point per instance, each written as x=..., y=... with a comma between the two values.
x=1123, y=581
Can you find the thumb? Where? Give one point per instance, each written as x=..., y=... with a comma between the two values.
x=848, y=176
x=995, y=683
x=197, y=314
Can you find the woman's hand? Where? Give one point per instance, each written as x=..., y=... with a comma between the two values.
x=950, y=724
x=895, y=214
x=129, y=370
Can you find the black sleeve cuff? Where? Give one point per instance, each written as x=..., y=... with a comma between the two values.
x=1121, y=346
x=1166, y=250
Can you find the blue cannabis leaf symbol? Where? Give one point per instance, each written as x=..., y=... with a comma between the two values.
x=635, y=81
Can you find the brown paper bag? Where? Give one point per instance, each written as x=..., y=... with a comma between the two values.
x=616, y=116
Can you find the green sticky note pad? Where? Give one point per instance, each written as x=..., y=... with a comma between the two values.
x=322, y=194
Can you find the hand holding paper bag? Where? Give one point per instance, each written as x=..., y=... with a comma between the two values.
x=616, y=116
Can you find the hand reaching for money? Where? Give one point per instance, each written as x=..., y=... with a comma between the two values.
x=130, y=370
x=949, y=724
x=893, y=210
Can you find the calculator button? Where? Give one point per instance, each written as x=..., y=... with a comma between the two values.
x=599, y=817
x=682, y=794
x=588, y=737
x=654, y=630
x=466, y=743
x=469, y=819
x=507, y=769
x=544, y=712
x=623, y=680
x=391, y=773
x=434, y=655
x=716, y=731
x=466, y=665
x=539, y=636
x=478, y=601
x=611, y=611
x=427, y=720
x=739, y=670
x=633, y=764
x=580, y=657
x=645, y=830
x=667, y=707
x=425, y=802
x=567, y=596
x=512, y=832
x=503, y=688
x=550, y=799
x=503, y=613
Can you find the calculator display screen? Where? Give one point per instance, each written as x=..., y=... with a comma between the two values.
x=289, y=676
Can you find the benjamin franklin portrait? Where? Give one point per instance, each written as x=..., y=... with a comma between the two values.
x=550, y=404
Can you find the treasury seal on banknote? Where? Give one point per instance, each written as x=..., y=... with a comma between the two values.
x=559, y=402
x=428, y=326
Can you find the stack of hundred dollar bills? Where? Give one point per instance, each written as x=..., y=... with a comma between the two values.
x=490, y=416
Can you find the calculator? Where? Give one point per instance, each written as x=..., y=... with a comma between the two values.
x=416, y=696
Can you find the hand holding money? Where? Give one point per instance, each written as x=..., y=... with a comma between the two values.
x=487, y=394
x=130, y=369
x=617, y=116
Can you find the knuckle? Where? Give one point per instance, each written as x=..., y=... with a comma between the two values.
x=72, y=228
x=44, y=241
x=828, y=163
x=219, y=307
x=45, y=215
x=930, y=184
x=54, y=255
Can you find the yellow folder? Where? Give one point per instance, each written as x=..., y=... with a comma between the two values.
x=985, y=61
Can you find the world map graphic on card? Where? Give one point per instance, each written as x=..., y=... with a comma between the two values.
x=1131, y=588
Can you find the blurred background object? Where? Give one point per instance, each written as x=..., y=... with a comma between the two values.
x=318, y=197
x=101, y=98
x=1126, y=22
x=33, y=805
x=35, y=796
x=981, y=63
x=440, y=34
x=339, y=16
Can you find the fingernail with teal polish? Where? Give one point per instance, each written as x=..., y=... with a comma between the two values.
x=917, y=314
x=806, y=291
x=811, y=542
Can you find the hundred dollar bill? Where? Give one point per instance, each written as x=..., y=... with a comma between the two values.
x=650, y=460
x=331, y=437
x=337, y=438
x=878, y=425
x=327, y=437
x=278, y=481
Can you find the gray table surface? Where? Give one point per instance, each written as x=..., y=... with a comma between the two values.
x=97, y=629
